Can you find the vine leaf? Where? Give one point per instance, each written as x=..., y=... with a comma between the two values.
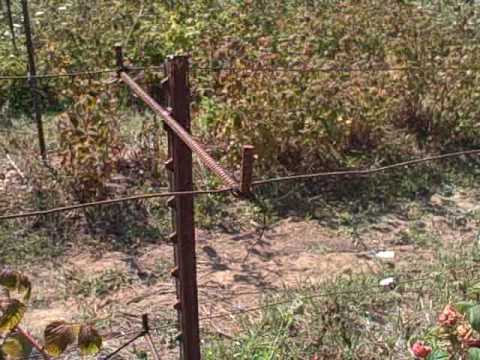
x=12, y=315
x=15, y=281
x=58, y=336
x=474, y=317
x=463, y=307
x=16, y=347
x=89, y=340
x=474, y=354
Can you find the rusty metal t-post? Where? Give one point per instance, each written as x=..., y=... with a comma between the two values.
x=183, y=236
x=32, y=72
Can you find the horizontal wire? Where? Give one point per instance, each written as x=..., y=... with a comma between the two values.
x=305, y=68
x=334, y=293
x=139, y=333
x=332, y=69
x=231, y=189
x=113, y=201
x=453, y=268
x=363, y=172
x=77, y=73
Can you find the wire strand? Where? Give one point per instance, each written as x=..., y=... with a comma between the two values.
x=314, y=295
x=113, y=201
x=300, y=177
x=78, y=73
x=366, y=171
x=299, y=67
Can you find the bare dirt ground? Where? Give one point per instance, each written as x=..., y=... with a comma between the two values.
x=235, y=271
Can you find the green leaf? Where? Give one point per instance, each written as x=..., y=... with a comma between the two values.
x=474, y=354
x=12, y=315
x=16, y=347
x=89, y=340
x=473, y=316
x=58, y=336
x=15, y=281
x=464, y=306
x=438, y=355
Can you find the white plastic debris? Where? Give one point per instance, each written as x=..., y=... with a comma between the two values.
x=385, y=254
x=387, y=282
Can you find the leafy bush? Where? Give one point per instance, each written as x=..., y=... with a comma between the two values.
x=298, y=117
x=88, y=137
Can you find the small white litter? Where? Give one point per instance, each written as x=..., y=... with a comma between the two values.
x=387, y=282
x=385, y=254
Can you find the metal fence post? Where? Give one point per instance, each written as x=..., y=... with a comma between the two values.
x=32, y=72
x=183, y=236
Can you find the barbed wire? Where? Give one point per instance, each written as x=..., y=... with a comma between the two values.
x=300, y=177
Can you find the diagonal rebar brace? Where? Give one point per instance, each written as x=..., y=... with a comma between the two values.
x=187, y=139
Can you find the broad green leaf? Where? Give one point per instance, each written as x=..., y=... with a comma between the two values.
x=438, y=355
x=89, y=340
x=474, y=354
x=15, y=281
x=12, y=315
x=58, y=335
x=16, y=347
x=474, y=317
x=464, y=306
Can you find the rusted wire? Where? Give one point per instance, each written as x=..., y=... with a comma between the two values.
x=364, y=172
x=255, y=184
x=112, y=201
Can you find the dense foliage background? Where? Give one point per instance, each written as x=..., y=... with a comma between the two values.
x=298, y=117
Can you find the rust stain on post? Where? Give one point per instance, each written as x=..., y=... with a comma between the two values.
x=187, y=293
